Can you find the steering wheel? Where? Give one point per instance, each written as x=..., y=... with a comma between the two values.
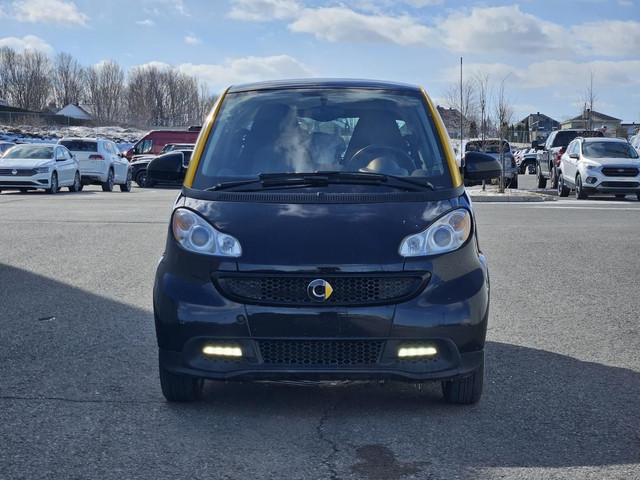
x=404, y=159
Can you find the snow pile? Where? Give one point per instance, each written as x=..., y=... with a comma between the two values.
x=123, y=137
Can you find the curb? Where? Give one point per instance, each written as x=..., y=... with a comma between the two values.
x=509, y=197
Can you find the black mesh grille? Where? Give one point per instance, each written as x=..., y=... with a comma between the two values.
x=20, y=172
x=620, y=171
x=294, y=290
x=320, y=352
x=619, y=184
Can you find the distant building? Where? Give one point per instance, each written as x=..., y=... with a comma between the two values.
x=451, y=119
x=592, y=120
x=76, y=111
x=627, y=130
x=536, y=125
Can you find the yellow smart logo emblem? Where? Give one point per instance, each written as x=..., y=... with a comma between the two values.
x=319, y=290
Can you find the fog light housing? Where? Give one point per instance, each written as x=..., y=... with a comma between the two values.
x=425, y=351
x=592, y=180
x=221, y=351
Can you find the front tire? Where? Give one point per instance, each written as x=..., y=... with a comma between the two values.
x=563, y=191
x=143, y=180
x=580, y=195
x=126, y=186
x=76, y=187
x=108, y=185
x=542, y=182
x=464, y=391
x=53, y=189
x=180, y=388
x=620, y=195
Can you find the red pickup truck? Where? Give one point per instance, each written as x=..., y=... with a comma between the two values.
x=153, y=142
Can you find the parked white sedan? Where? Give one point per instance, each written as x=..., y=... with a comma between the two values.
x=39, y=166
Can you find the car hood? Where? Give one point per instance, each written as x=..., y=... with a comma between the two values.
x=291, y=234
x=635, y=162
x=24, y=162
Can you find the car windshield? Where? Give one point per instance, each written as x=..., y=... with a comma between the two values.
x=325, y=129
x=30, y=151
x=486, y=146
x=608, y=150
x=80, y=145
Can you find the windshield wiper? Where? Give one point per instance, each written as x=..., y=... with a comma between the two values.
x=304, y=179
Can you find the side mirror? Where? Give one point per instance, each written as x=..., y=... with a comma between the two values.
x=574, y=155
x=480, y=166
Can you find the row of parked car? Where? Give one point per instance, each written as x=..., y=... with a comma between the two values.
x=76, y=162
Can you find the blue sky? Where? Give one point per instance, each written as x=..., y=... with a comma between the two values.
x=543, y=48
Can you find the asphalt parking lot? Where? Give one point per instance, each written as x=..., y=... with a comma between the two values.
x=80, y=397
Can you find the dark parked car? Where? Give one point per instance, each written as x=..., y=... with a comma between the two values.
x=176, y=161
x=324, y=232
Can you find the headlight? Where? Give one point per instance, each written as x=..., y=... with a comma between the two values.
x=591, y=166
x=447, y=234
x=41, y=170
x=195, y=234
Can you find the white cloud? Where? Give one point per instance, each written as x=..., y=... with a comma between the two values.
x=341, y=24
x=192, y=40
x=608, y=37
x=556, y=73
x=248, y=69
x=423, y=3
x=48, y=11
x=625, y=3
x=146, y=23
x=502, y=29
x=264, y=10
x=166, y=7
x=29, y=42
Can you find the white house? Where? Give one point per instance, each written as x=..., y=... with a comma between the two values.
x=75, y=111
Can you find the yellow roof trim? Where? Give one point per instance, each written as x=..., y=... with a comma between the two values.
x=199, y=147
x=446, y=142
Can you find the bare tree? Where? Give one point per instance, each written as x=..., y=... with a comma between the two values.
x=482, y=94
x=463, y=99
x=68, y=80
x=25, y=78
x=105, y=86
x=503, y=107
x=589, y=99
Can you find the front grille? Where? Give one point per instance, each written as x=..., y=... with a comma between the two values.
x=320, y=352
x=20, y=172
x=293, y=290
x=620, y=184
x=620, y=171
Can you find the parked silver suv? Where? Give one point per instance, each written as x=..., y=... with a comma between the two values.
x=599, y=165
x=101, y=162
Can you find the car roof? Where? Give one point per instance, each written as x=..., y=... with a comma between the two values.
x=83, y=139
x=603, y=139
x=34, y=144
x=323, y=83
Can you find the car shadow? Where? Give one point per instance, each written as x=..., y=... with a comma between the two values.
x=80, y=376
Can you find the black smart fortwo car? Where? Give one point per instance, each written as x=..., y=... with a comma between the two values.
x=323, y=232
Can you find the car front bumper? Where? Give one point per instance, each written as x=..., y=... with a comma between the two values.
x=38, y=180
x=325, y=342
x=595, y=182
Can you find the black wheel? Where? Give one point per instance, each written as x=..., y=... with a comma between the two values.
x=542, y=182
x=532, y=168
x=580, y=195
x=81, y=187
x=554, y=178
x=620, y=195
x=126, y=186
x=143, y=180
x=638, y=196
x=180, y=388
x=513, y=183
x=464, y=391
x=53, y=188
x=76, y=183
x=108, y=185
x=563, y=191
